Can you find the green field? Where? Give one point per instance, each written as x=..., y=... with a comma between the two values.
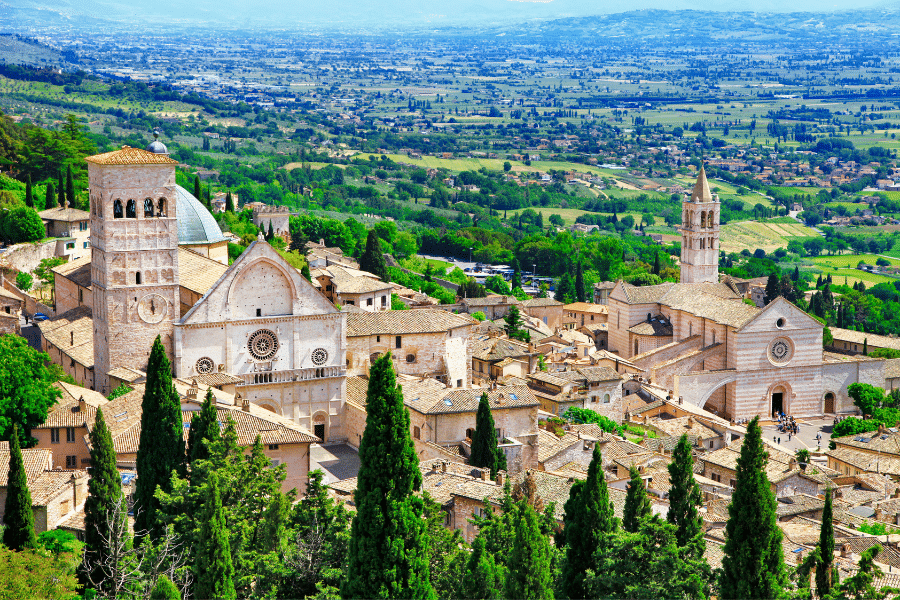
x=850, y=260
x=751, y=235
x=853, y=275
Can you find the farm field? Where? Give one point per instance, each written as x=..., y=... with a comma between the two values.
x=849, y=260
x=751, y=235
x=853, y=276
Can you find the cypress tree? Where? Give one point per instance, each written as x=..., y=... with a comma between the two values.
x=165, y=590
x=685, y=498
x=517, y=274
x=29, y=199
x=483, y=577
x=70, y=187
x=826, y=575
x=579, y=283
x=214, y=569
x=637, y=504
x=753, y=565
x=104, y=508
x=773, y=288
x=60, y=191
x=197, y=193
x=49, y=196
x=372, y=259
x=18, y=518
x=656, y=265
x=589, y=519
x=305, y=272
x=388, y=555
x=161, y=446
x=529, y=574
x=229, y=203
x=271, y=233
x=204, y=429
x=485, y=452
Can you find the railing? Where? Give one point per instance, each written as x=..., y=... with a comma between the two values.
x=291, y=375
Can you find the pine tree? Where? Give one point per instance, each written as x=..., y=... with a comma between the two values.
x=204, y=429
x=229, y=203
x=29, y=198
x=70, y=188
x=49, y=196
x=826, y=575
x=483, y=577
x=214, y=569
x=485, y=453
x=372, y=259
x=589, y=520
x=637, y=503
x=388, y=556
x=18, y=519
x=685, y=498
x=513, y=322
x=161, y=446
x=299, y=240
x=565, y=289
x=529, y=574
x=579, y=283
x=165, y=590
x=753, y=565
x=60, y=191
x=104, y=508
x=305, y=272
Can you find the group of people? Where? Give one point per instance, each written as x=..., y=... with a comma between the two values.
x=838, y=419
x=786, y=424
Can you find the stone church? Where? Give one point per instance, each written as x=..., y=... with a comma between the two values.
x=699, y=339
x=261, y=322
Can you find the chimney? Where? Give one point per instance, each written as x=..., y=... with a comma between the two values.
x=485, y=474
x=690, y=422
x=881, y=429
x=74, y=481
x=444, y=466
x=845, y=551
x=244, y=402
x=792, y=464
x=82, y=405
x=192, y=391
x=500, y=478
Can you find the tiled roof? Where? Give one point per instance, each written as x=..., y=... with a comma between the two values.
x=490, y=300
x=352, y=281
x=68, y=215
x=50, y=483
x=69, y=412
x=36, y=460
x=539, y=302
x=130, y=156
x=587, y=307
x=205, y=380
x=689, y=425
x=466, y=400
x=892, y=368
x=861, y=337
x=496, y=348
x=77, y=271
x=654, y=328
x=598, y=374
x=715, y=301
x=549, y=444
x=886, y=442
x=404, y=322
x=73, y=325
x=873, y=463
x=727, y=458
x=196, y=272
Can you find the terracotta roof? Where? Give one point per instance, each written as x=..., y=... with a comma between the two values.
x=886, y=442
x=50, y=483
x=77, y=271
x=497, y=348
x=540, y=302
x=196, y=272
x=684, y=425
x=715, y=301
x=69, y=412
x=490, y=300
x=68, y=215
x=36, y=460
x=861, y=337
x=587, y=307
x=864, y=461
x=73, y=325
x=467, y=400
x=130, y=156
x=404, y=322
x=654, y=328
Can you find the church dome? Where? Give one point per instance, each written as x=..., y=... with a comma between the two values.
x=157, y=147
x=196, y=224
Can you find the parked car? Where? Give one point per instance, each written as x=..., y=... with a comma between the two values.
x=40, y=317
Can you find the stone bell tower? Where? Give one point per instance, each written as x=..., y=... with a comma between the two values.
x=134, y=257
x=700, y=234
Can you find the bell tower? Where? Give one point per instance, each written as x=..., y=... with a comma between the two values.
x=134, y=257
x=700, y=234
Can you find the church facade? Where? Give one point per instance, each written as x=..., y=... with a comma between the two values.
x=699, y=339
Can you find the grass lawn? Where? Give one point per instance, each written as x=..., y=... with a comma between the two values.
x=849, y=260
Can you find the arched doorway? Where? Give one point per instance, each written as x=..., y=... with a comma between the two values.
x=829, y=402
x=778, y=398
x=320, y=421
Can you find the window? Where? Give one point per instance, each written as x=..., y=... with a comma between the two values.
x=378, y=339
x=410, y=358
x=148, y=207
x=80, y=295
x=459, y=383
x=398, y=341
x=131, y=210
x=70, y=245
x=137, y=277
x=71, y=462
x=605, y=398
x=478, y=512
x=70, y=434
x=82, y=226
x=417, y=433
x=369, y=301
x=117, y=209
x=351, y=302
x=258, y=312
x=732, y=483
x=161, y=207
x=273, y=446
x=54, y=435
x=85, y=244
x=384, y=300
x=593, y=398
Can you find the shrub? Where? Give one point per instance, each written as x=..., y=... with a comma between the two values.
x=24, y=281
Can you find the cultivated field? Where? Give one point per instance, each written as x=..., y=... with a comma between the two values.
x=850, y=260
x=751, y=235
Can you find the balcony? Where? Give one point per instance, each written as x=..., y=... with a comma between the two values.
x=291, y=375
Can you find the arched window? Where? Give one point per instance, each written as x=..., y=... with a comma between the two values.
x=117, y=209
x=470, y=433
x=636, y=347
x=417, y=433
x=605, y=398
x=131, y=210
x=161, y=208
x=137, y=277
x=148, y=207
x=703, y=219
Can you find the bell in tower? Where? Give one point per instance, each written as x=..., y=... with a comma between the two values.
x=700, y=234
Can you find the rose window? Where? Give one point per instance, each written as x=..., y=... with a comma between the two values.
x=263, y=344
x=319, y=356
x=205, y=365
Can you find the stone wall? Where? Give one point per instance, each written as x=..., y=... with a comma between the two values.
x=354, y=423
x=596, y=399
x=666, y=353
x=26, y=257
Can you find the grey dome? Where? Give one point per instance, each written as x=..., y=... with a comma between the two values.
x=195, y=224
x=157, y=147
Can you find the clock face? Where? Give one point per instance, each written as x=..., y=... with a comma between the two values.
x=780, y=350
x=152, y=308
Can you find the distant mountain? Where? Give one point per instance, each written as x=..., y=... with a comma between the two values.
x=366, y=14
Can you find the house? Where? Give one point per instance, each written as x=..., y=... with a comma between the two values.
x=871, y=452
x=548, y=310
x=602, y=290
x=488, y=353
x=494, y=306
x=73, y=226
x=581, y=314
x=848, y=341
x=64, y=431
x=352, y=287
x=425, y=342
x=555, y=394
x=11, y=304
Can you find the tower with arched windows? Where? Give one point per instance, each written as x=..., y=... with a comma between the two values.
x=134, y=257
x=700, y=234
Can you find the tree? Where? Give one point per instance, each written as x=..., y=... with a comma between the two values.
x=103, y=504
x=773, y=288
x=70, y=187
x=529, y=574
x=22, y=224
x=165, y=590
x=859, y=585
x=26, y=388
x=197, y=193
x=24, y=281
x=513, y=324
x=637, y=504
x=388, y=554
x=213, y=568
x=656, y=265
x=33, y=574
x=826, y=574
x=60, y=191
x=229, y=204
x=579, y=283
x=588, y=522
x=29, y=198
x=18, y=518
x=865, y=346
x=485, y=452
x=270, y=235
x=507, y=166
x=161, y=446
x=49, y=196
x=299, y=241
x=565, y=290
x=372, y=259
x=204, y=429
x=483, y=577
x=685, y=499
x=753, y=565
x=516, y=281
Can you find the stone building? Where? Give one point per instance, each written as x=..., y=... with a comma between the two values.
x=584, y=314
x=67, y=425
x=548, y=310
x=279, y=217
x=489, y=352
x=351, y=287
x=72, y=226
x=700, y=234
x=424, y=342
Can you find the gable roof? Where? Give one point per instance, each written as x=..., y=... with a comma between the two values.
x=793, y=323
x=404, y=322
x=718, y=302
x=497, y=348
x=65, y=214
